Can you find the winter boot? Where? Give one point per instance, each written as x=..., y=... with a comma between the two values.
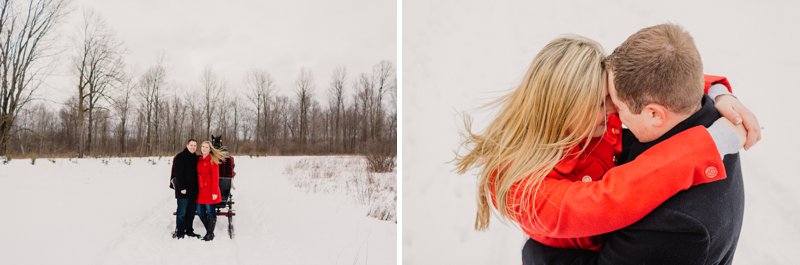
x=204, y=220
x=190, y=230
x=211, y=223
x=177, y=235
x=192, y=234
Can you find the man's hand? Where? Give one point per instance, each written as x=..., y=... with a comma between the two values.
x=213, y=197
x=183, y=191
x=731, y=108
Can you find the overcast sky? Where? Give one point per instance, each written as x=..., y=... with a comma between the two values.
x=235, y=36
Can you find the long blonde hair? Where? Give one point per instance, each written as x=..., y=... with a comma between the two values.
x=217, y=156
x=552, y=111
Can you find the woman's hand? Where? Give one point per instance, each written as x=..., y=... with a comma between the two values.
x=213, y=197
x=732, y=109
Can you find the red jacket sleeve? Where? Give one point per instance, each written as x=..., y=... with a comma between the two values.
x=215, y=180
x=713, y=79
x=627, y=193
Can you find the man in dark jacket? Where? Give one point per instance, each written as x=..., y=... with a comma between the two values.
x=184, y=181
x=655, y=81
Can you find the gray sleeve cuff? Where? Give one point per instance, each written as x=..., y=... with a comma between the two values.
x=724, y=137
x=717, y=90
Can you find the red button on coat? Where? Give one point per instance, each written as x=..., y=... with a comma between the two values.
x=711, y=172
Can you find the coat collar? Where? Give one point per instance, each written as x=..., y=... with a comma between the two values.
x=706, y=113
x=705, y=116
x=612, y=137
x=186, y=152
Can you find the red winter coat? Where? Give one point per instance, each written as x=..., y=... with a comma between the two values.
x=713, y=79
x=208, y=181
x=587, y=196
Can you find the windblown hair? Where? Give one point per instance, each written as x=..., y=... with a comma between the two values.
x=552, y=111
x=217, y=156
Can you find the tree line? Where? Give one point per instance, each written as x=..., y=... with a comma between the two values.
x=113, y=112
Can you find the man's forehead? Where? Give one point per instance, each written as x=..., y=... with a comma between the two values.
x=612, y=89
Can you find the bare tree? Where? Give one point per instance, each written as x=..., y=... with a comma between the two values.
x=194, y=113
x=381, y=74
x=366, y=107
x=222, y=102
x=122, y=106
x=392, y=119
x=99, y=66
x=150, y=86
x=234, y=106
x=336, y=104
x=211, y=91
x=24, y=38
x=304, y=86
x=178, y=120
x=261, y=86
x=361, y=122
x=283, y=108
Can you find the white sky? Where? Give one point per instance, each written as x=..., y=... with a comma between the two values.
x=235, y=36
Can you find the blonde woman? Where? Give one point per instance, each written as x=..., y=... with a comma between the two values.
x=208, y=184
x=546, y=162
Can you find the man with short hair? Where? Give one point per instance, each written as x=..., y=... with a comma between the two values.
x=656, y=82
x=184, y=181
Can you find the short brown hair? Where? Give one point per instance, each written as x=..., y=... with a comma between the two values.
x=659, y=64
x=191, y=140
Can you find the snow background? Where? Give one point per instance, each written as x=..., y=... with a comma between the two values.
x=460, y=55
x=86, y=212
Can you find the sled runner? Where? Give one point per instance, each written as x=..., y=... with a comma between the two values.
x=226, y=174
x=225, y=208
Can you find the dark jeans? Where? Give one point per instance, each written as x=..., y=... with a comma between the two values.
x=206, y=211
x=184, y=216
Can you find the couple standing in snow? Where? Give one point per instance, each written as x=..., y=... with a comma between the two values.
x=196, y=183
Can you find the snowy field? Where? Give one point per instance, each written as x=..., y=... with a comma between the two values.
x=87, y=212
x=459, y=55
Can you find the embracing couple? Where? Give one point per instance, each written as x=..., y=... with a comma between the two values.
x=196, y=182
x=666, y=189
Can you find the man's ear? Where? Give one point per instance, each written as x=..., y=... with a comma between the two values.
x=655, y=114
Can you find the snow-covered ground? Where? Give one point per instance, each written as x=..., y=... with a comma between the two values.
x=460, y=55
x=92, y=213
x=346, y=175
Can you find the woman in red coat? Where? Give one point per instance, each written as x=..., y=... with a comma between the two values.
x=208, y=186
x=548, y=159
